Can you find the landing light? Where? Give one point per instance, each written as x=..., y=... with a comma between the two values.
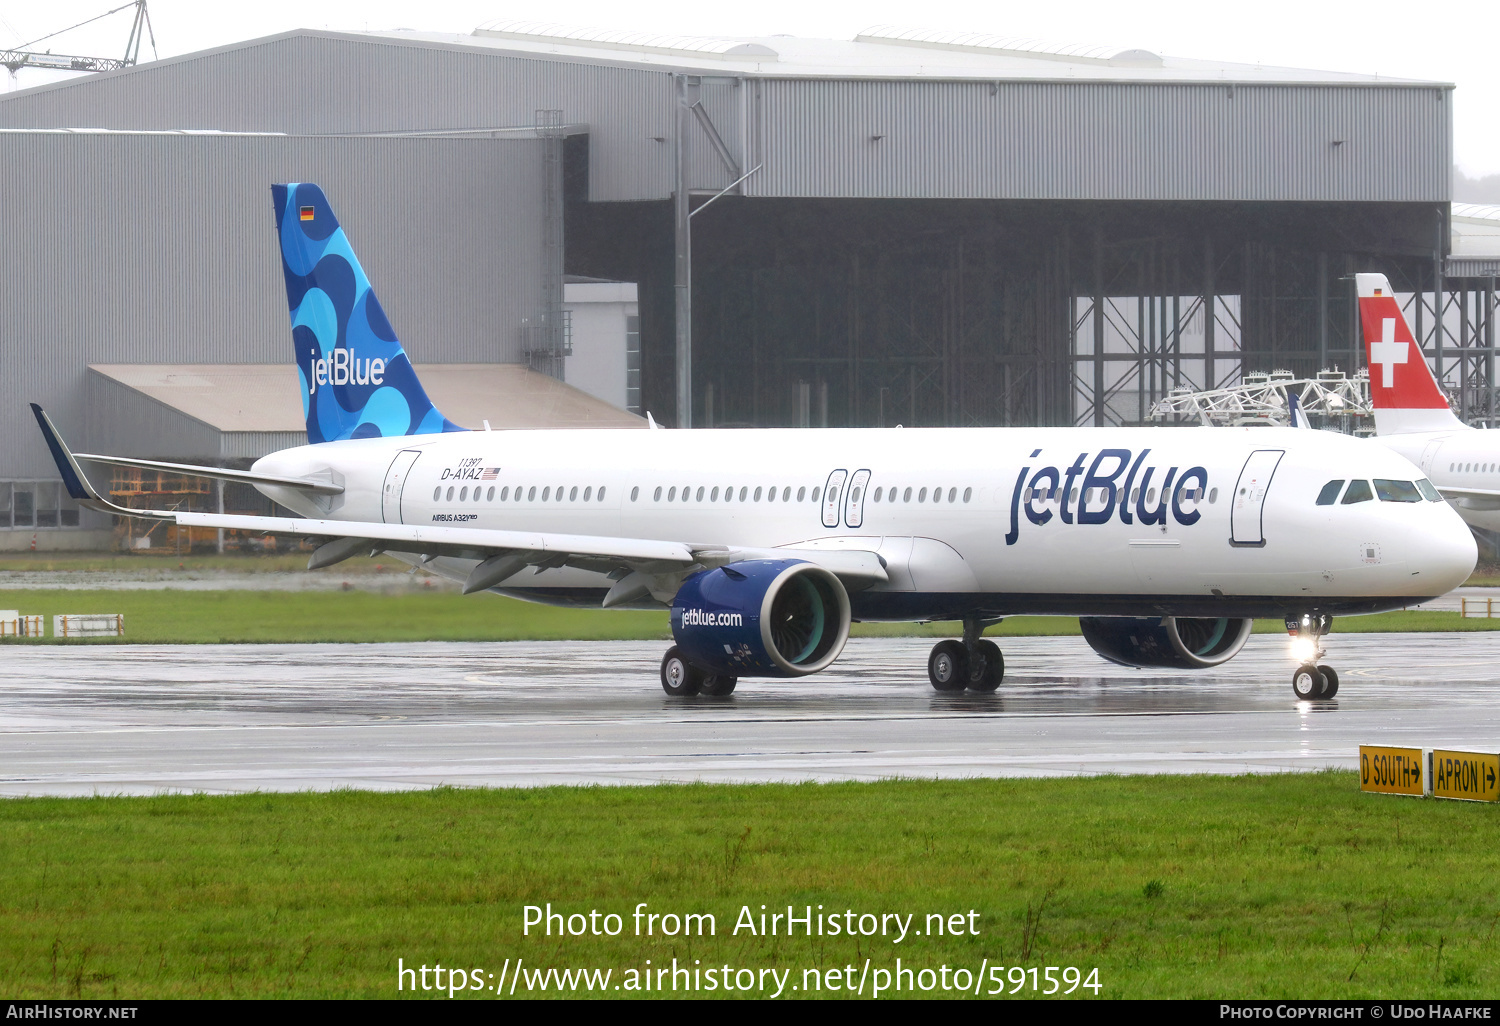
x=1304, y=650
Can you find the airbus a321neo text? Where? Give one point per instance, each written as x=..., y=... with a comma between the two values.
x=764, y=545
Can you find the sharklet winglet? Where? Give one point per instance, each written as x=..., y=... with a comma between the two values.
x=73, y=477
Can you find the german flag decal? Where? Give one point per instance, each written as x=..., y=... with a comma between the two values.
x=307, y=213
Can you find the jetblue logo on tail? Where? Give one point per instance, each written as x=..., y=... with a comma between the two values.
x=344, y=368
x=356, y=379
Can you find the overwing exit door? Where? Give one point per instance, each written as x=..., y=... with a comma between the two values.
x=395, y=481
x=1245, y=512
x=854, y=499
x=833, y=492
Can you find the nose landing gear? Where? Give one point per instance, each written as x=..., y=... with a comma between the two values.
x=1312, y=681
x=974, y=663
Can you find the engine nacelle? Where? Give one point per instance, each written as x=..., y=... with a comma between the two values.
x=762, y=618
x=1185, y=643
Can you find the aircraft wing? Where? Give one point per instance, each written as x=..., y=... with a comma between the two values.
x=638, y=565
x=1472, y=498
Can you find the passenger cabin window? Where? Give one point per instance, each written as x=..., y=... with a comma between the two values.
x=1330, y=493
x=1427, y=489
x=801, y=493
x=437, y=493
x=1359, y=491
x=1396, y=491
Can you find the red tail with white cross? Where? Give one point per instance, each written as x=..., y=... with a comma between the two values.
x=1404, y=393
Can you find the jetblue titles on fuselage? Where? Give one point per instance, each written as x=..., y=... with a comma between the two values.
x=1102, y=494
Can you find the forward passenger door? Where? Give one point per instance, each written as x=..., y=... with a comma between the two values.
x=1247, y=507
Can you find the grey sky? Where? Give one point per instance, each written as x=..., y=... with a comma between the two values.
x=1454, y=42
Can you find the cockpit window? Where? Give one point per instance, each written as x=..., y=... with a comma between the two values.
x=1330, y=493
x=1432, y=494
x=1359, y=491
x=1396, y=491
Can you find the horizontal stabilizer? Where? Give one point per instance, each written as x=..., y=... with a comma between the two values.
x=219, y=473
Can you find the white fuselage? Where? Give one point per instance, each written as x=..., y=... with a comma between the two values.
x=1461, y=459
x=964, y=519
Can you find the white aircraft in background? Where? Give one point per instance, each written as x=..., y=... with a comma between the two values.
x=1165, y=542
x=1412, y=415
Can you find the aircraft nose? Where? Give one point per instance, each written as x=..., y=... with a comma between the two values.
x=1448, y=554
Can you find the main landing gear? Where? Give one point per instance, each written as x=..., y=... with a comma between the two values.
x=974, y=663
x=680, y=678
x=1312, y=681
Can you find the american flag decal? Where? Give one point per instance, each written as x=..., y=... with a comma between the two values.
x=490, y=473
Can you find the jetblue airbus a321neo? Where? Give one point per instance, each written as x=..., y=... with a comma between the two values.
x=1165, y=542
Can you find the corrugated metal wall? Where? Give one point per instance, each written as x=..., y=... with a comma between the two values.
x=121, y=421
x=136, y=248
x=938, y=139
x=1014, y=140
x=313, y=83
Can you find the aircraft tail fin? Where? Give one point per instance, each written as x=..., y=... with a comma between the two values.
x=1403, y=391
x=1294, y=409
x=357, y=381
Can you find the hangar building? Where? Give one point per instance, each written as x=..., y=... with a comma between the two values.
x=907, y=227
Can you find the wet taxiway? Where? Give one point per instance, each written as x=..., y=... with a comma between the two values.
x=146, y=719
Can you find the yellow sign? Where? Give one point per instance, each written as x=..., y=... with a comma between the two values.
x=1390, y=770
x=1471, y=775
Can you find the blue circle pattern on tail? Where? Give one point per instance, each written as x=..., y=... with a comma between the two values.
x=356, y=379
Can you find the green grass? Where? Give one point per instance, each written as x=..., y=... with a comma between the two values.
x=138, y=562
x=191, y=617
x=196, y=617
x=1208, y=887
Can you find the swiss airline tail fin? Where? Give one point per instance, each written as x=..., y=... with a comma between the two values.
x=1405, y=395
x=356, y=379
